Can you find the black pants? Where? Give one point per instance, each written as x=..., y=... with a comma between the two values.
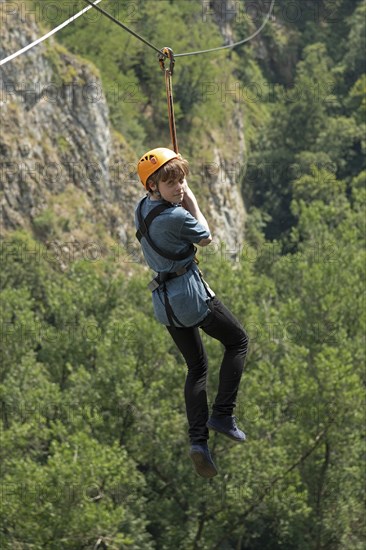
x=221, y=324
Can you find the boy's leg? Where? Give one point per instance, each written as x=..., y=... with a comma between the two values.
x=189, y=343
x=223, y=326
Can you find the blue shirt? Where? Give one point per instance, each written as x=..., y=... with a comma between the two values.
x=173, y=231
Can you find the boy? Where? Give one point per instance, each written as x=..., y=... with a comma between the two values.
x=169, y=223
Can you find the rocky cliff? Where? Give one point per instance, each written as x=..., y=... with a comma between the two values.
x=63, y=170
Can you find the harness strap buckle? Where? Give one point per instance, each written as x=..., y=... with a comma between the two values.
x=153, y=285
x=164, y=276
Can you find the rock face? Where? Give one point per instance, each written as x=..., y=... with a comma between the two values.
x=57, y=146
x=56, y=133
x=224, y=12
x=221, y=178
x=226, y=204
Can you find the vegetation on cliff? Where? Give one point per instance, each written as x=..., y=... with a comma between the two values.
x=94, y=447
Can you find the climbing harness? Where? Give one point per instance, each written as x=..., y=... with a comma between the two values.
x=143, y=231
x=163, y=276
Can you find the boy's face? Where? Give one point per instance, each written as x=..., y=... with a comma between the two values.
x=171, y=190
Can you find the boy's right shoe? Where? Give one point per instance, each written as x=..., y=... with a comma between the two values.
x=202, y=460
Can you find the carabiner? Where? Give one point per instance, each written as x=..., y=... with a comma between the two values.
x=167, y=53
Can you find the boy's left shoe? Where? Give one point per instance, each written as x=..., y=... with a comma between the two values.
x=202, y=460
x=226, y=425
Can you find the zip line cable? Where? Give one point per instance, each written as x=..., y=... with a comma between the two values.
x=139, y=37
x=39, y=40
x=123, y=26
x=265, y=21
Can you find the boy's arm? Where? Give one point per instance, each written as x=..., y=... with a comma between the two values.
x=190, y=203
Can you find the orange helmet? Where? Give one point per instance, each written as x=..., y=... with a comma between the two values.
x=151, y=161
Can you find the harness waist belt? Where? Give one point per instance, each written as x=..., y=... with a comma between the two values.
x=164, y=276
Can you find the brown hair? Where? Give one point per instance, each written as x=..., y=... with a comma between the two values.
x=172, y=170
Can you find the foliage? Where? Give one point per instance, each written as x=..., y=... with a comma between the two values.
x=94, y=447
x=94, y=441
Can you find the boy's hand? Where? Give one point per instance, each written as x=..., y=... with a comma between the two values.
x=188, y=196
x=185, y=187
x=189, y=202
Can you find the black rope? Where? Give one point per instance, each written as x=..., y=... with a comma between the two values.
x=185, y=53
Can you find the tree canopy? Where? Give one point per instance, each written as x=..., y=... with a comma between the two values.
x=94, y=449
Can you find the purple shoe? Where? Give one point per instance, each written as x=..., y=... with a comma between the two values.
x=226, y=425
x=202, y=460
